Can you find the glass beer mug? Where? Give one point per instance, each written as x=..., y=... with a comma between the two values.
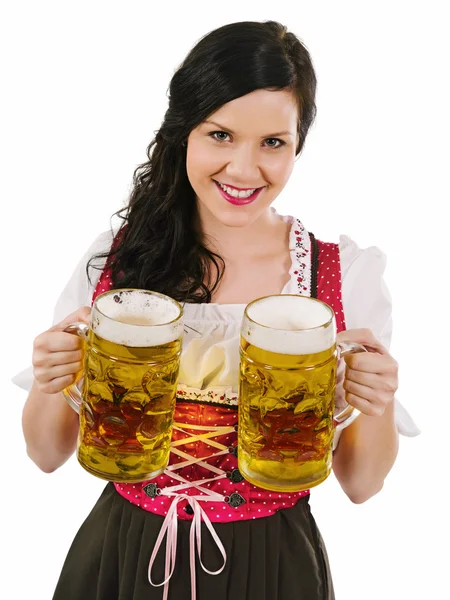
x=127, y=390
x=287, y=387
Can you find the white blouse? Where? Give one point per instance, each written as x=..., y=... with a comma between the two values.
x=210, y=356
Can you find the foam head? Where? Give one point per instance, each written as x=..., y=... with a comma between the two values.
x=137, y=318
x=288, y=324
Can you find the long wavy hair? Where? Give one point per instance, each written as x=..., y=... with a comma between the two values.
x=160, y=246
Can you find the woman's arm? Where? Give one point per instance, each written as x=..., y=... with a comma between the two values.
x=49, y=424
x=368, y=448
x=50, y=428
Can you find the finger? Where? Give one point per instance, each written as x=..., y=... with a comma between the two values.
x=56, y=385
x=364, y=406
x=65, y=358
x=45, y=375
x=371, y=363
x=57, y=341
x=374, y=396
x=373, y=380
x=57, y=358
x=364, y=337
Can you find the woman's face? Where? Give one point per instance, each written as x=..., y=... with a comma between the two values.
x=241, y=157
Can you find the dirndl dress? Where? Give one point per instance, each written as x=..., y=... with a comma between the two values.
x=200, y=531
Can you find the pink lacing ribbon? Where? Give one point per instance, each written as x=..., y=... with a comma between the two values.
x=170, y=525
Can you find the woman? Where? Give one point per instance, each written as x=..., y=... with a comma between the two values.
x=200, y=228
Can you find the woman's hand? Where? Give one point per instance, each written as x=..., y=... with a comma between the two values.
x=57, y=355
x=371, y=378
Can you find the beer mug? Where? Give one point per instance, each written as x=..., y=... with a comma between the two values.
x=127, y=390
x=287, y=387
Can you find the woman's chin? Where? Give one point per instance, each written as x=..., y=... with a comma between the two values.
x=235, y=218
x=229, y=215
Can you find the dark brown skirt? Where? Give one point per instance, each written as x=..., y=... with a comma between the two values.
x=281, y=557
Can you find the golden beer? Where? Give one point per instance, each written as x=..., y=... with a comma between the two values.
x=131, y=365
x=286, y=394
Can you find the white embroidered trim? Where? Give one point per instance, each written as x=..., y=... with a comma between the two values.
x=219, y=395
x=300, y=247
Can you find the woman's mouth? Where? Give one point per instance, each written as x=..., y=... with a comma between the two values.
x=238, y=197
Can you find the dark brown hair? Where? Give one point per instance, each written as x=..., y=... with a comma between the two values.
x=160, y=247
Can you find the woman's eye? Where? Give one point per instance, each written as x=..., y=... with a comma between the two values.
x=220, y=136
x=274, y=142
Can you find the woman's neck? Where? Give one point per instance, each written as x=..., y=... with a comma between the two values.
x=238, y=243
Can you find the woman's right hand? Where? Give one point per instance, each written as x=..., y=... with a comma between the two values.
x=57, y=355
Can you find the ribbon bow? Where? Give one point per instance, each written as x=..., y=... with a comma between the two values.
x=170, y=527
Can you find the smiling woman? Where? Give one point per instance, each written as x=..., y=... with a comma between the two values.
x=200, y=227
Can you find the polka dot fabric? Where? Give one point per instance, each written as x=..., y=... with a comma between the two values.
x=258, y=502
x=329, y=280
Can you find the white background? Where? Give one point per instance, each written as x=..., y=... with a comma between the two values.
x=84, y=88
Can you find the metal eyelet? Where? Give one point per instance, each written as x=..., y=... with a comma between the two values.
x=235, y=476
x=234, y=500
x=152, y=490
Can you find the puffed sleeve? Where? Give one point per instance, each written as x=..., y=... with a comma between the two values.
x=77, y=292
x=367, y=303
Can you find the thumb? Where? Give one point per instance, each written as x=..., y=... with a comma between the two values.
x=83, y=315
x=364, y=337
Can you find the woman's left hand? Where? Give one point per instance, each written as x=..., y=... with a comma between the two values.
x=371, y=378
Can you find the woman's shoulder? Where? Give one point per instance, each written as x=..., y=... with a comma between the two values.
x=101, y=243
x=79, y=287
x=96, y=252
x=353, y=255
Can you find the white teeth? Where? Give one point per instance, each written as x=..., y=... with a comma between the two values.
x=237, y=193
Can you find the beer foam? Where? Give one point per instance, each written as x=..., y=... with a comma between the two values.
x=137, y=318
x=288, y=324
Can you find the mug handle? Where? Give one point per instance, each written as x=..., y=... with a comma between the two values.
x=72, y=394
x=349, y=413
